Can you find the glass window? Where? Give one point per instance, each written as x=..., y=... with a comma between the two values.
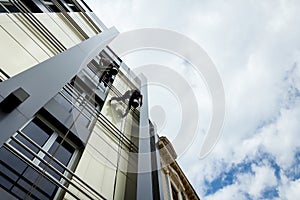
x=10, y=7
x=174, y=192
x=2, y=9
x=39, y=182
x=52, y=8
x=68, y=1
x=24, y=181
x=8, y=159
x=62, y=152
x=72, y=6
x=36, y=131
x=31, y=6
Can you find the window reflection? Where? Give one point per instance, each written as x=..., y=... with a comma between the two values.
x=8, y=7
x=21, y=179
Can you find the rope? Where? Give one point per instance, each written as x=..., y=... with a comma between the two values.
x=60, y=144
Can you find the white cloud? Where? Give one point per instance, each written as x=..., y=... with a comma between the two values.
x=263, y=178
x=248, y=184
x=277, y=139
x=289, y=189
x=228, y=193
x=253, y=44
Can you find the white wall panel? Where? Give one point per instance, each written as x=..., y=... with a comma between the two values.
x=61, y=34
x=97, y=166
x=104, y=152
x=33, y=37
x=60, y=20
x=108, y=182
x=24, y=40
x=78, y=18
x=120, y=186
x=21, y=59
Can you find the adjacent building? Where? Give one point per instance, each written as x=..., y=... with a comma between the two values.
x=174, y=183
x=60, y=135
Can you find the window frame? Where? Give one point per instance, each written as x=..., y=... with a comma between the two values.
x=50, y=141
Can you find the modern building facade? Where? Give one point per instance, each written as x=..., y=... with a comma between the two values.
x=60, y=135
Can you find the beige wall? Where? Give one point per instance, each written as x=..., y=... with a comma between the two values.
x=23, y=46
x=104, y=153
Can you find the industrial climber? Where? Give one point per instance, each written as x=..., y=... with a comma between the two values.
x=135, y=99
x=110, y=70
x=107, y=75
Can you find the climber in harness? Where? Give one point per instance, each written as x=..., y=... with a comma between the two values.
x=135, y=99
x=107, y=75
x=110, y=70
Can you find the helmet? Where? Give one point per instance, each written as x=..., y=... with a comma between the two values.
x=135, y=103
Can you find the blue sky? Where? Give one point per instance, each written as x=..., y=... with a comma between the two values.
x=255, y=46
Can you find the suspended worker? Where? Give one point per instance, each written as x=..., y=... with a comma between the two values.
x=135, y=99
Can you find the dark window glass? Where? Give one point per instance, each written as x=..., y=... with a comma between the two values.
x=31, y=6
x=11, y=160
x=62, y=153
x=71, y=6
x=40, y=181
x=74, y=8
x=24, y=151
x=5, y=181
x=25, y=191
x=174, y=193
x=2, y=10
x=15, y=177
x=20, y=193
x=11, y=8
x=53, y=8
x=36, y=131
x=8, y=171
x=21, y=179
x=37, y=192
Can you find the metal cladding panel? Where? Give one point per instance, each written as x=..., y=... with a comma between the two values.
x=149, y=185
x=5, y=195
x=144, y=179
x=97, y=20
x=79, y=128
x=45, y=80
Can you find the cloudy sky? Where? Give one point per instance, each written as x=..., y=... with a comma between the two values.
x=255, y=46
